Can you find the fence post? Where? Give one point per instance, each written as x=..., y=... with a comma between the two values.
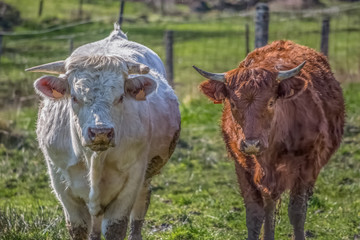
x=247, y=47
x=261, y=25
x=122, y=5
x=162, y=7
x=71, y=45
x=80, y=12
x=41, y=4
x=169, y=40
x=1, y=45
x=325, y=30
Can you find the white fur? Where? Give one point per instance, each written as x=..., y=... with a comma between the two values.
x=106, y=182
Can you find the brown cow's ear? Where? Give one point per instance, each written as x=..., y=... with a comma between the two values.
x=51, y=87
x=291, y=87
x=215, y=90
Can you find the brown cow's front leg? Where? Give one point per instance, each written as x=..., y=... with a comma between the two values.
x=297, y=211
x=269, y=227
x=254, y=205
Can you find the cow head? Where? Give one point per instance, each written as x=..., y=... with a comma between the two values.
x=252, y=95
x=96, y=89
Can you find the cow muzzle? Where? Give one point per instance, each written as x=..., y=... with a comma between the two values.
x=250, y=147
x=101, y=138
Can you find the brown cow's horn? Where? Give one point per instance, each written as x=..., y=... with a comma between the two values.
x=53, y=67
x=212, y=76
x=137, y=68
x=290, y=73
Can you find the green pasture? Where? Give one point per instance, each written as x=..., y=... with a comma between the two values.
x=196, y=196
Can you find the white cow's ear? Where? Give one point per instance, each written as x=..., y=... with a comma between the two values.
x=51, y=87
x=140, y=86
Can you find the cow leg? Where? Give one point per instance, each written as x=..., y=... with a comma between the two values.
x=297, y=210
x=96, y=228
x=78, y=219
x=116, y=215
x=139, y=211
x=254, y=204
x=269, y=226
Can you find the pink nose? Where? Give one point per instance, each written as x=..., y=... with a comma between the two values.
x=101, y=136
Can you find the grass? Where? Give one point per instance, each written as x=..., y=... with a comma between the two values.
x=196, y=196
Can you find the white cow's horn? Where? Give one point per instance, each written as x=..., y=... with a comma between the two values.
x=212, y=76
x=53, y=67
x=290, y=73
x=137, y=68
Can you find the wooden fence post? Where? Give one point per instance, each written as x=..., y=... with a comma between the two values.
x=169, y=40
x=325, y=30
x=247, y=47
x=121, y=13
x=261, y=25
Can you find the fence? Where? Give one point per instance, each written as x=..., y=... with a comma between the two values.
x=214, y=44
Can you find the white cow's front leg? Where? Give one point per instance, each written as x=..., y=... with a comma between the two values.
x=139, y=210
x=116, y=215
x=77, y=216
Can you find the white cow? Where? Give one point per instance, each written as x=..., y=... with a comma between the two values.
x=106, y=125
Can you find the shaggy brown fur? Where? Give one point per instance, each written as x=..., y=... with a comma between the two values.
x=298, y=122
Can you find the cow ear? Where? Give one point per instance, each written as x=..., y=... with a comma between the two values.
x=214, y=90
x=51, y=87
x=291, y=87
x=140, y=86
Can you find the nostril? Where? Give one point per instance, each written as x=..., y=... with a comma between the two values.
x=110, y=134
x=91, y=134
x=243, y=144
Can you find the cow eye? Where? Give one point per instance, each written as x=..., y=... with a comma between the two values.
x=271, y=103
x=119, y=100
x=232, y=105
x=74, y=99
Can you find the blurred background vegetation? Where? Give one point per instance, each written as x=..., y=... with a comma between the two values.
x=196, y=196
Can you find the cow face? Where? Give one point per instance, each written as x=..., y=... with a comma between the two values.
x=97, y=98
x=251, y=97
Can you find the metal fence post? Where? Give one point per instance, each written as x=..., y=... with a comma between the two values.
x=169, y=40
x=247, y=47
x=71, y=45
x=121, y=13
x=80, y=11
x=325, y=30
x=261, y=25
x=1, y=45
x=41, y=4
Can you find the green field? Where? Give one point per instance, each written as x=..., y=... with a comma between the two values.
x=196, y=196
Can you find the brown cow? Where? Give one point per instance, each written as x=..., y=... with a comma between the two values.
x=282, y=120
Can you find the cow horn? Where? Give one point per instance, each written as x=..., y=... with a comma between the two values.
x=137, y=68
x=212, y=76
x=53, y=67
x=290, y=73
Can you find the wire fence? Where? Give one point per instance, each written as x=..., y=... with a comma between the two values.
x=215, y=44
